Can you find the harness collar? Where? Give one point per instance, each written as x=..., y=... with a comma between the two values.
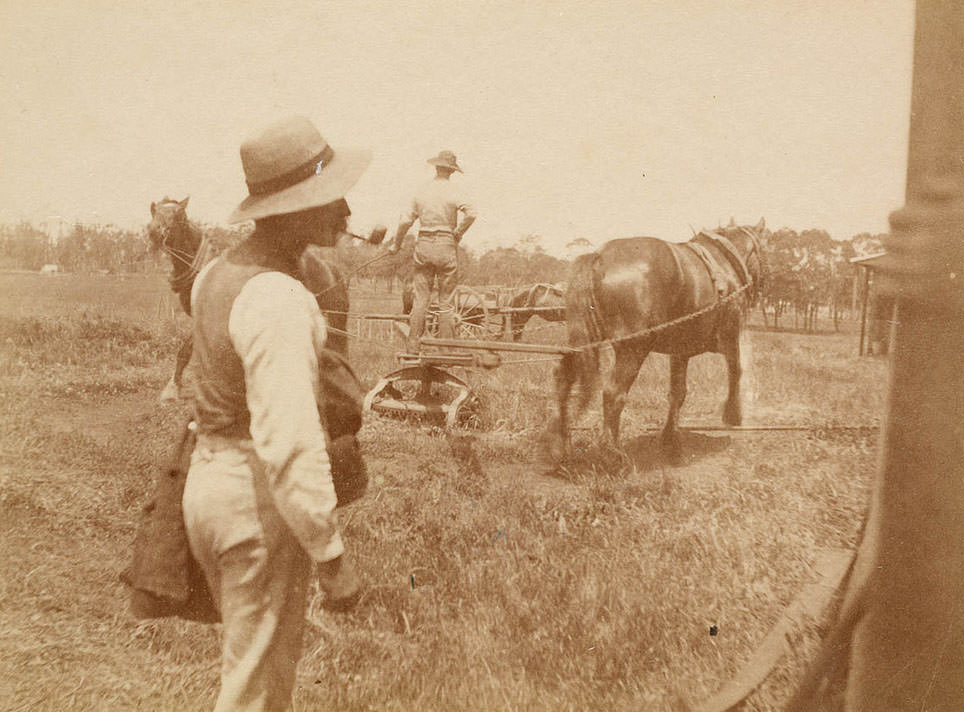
x=732, y=254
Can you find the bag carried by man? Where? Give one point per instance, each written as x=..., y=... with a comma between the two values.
x=164, y=578
x=341, y=416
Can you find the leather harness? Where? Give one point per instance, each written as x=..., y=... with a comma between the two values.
x=713, y=267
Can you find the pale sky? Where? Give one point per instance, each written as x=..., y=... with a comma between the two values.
x=571, y=118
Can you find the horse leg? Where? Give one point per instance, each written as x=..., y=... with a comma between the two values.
x=183, y=358
x=677, y=394
x=627, y=363
x=172, y=391
x=557, y=433
x=519, y=321
x=732, y=410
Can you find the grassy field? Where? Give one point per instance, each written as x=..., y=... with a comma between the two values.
x=492, y=584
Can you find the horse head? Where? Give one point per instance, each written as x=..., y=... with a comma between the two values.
x=750, y=241
x=168, y=223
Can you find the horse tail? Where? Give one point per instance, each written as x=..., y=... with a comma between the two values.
x=585, y=327
x=517, y=320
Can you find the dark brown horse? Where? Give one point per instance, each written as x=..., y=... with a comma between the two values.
x=171, y=232
x=627, y=292
x=547, y=301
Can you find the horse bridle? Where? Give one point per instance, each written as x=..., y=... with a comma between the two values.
x=192, y=262
x=166, y=234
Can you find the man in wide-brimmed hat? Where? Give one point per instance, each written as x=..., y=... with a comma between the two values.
x=259, y=503
x=437, y=207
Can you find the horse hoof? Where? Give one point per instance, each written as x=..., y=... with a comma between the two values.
x=170, y=394
x=672, y=448
x=673, y=454
x=552, y=448
x=732, y=416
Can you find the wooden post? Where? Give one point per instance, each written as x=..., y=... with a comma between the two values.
x=863, y=308
x=904, y=611
x=853, y=296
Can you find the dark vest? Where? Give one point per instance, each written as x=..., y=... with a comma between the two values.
x=220, y=395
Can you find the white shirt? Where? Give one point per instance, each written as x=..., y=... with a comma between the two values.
x=278, y=332
x=437, y=206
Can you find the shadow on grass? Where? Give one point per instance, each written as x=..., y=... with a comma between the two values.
x=640, y=455
x=646, y=452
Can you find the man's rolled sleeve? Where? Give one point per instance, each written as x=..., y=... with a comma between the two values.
x=468, y=217
x=467, y=209
x=276, y=329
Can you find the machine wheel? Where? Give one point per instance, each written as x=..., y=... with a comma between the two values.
x=424, y=391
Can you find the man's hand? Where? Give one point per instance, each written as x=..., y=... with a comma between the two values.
x=341, y=584
x=393, y=248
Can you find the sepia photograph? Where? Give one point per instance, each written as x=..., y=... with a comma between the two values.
x=482, y=355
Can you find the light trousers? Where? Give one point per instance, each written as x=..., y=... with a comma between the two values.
x=435, y=259
x=257, y=571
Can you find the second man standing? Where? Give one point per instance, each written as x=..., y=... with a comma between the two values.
x=436, y=206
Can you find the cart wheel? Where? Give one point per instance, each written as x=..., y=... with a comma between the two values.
x=474, y=319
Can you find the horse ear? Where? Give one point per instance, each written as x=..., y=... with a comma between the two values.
x=761, y=226
x=732, y=222
x=153, y=208
x=183, y=203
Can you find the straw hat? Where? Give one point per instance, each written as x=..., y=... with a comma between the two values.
x=289, y=167
x=446, y=159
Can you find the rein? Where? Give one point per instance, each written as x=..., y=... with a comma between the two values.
x=352, y=273
x=192, y=263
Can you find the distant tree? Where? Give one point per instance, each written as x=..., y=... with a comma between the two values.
x=810, y=271
x=133, y=253
x=503, y=265
x=531, y=243
x=468, y=267
x=71, y=250
x=814, y=269
x=866, y=244
x=22, y=246
x=224, y=238
x=102, y=248
x=542, y=267
x=783, y=283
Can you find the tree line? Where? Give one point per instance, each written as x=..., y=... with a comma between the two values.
x=108, y=249
x=524, y=263
x=91, y=248
x=809, y=273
